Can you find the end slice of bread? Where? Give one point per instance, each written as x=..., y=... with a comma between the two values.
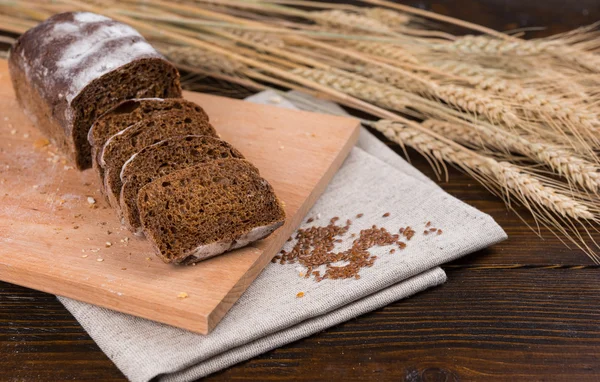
x=121, y=146
x=132, y=111
x=207, y=209
x=161, y=159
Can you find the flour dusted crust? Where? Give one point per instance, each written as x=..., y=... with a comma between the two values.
x=74, y=66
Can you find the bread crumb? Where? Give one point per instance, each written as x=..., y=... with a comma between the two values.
x=275, y=99
x=95, y=250
x=91, y=200
x=182, y=295
x=39, y=143
x=300, y=295
x=99, y=259
x=84, y=256
x=148, y=258
x=108, y=244
x=13, y=132
x=35, y=187
x=67, y=168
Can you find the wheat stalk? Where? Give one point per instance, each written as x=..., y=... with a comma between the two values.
x=563, y=162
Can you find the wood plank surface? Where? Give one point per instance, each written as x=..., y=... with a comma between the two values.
x=52, y=240
x=502, y=315
x=492, y=324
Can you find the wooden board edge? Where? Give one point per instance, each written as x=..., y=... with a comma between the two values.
x=262, y=261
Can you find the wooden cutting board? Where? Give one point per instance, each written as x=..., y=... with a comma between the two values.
x=54, y=240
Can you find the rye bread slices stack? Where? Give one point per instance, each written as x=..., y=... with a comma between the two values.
x=173, y=180
x=161, y=163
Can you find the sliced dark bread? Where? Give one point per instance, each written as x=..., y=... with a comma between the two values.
x=161, y=159
x=207, y=209
x=121, y=146
x=132, y=111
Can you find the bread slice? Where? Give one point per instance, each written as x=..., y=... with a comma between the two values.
x=207, y=209
x=161, y=159
x=121, y=146
x=74, y=66
x=132, y=111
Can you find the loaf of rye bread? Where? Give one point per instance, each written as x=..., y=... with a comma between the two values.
x=207, y=209
x=121, y=146
x=132, y=111
x=162, y=159
x=75, y=66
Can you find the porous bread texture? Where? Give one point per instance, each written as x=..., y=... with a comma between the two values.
x=132, y=111
x=74, y=66
x=207, y=209
x=161, y=159
x=121, y=146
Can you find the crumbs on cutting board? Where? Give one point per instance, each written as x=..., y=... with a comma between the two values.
x=182, y=295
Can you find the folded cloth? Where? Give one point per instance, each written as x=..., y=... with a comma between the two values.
x=283, y=305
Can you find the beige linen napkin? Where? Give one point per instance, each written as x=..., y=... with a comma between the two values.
x=270, y=313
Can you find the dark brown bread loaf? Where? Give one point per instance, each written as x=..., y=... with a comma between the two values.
x=162, y=159
x=121, y=146
x=132, y=111
x=207, y=209
x=75, y=66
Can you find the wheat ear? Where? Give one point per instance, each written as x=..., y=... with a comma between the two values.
x=578, y=171
x=201, y=59
x=486, y=45
x=521, y=185
x=460, y=97
x=387, y=17
x=349, y=21
x=385, y=50
x=562, y=114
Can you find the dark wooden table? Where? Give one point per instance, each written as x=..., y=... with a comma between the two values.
x=526, y=309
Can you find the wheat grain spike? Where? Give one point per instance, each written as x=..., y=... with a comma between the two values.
x=385, y=50
x=385, y=96
x=521, y=185
x=577, y=170
x=387, y=17
x=476, y=102
x=198, y=58
x=259, y=38
x=349, y=21
x=486, y=45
